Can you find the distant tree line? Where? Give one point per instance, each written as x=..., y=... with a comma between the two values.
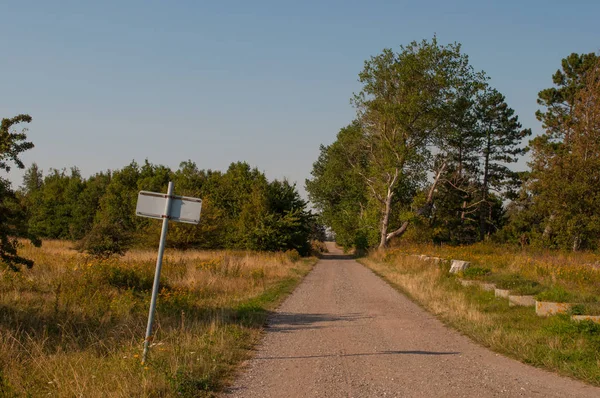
x=241, y=209
x=428, y=157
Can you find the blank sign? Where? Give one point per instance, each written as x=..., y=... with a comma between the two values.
x=183, y=209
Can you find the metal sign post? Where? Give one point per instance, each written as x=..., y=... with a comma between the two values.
x=166, y=207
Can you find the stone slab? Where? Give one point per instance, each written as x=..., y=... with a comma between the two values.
x=546, y=308
x=525, y=301
x=593, y=318
x=459, y=266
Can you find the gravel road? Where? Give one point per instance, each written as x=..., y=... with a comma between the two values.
x=345, y=333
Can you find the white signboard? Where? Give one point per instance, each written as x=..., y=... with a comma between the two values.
x=183, y=208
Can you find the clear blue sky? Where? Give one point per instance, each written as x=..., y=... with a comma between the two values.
x=267, y=82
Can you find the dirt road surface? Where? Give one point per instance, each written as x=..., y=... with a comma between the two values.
x=345, y=333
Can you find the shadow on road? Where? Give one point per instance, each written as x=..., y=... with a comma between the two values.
x=364, y=354
x=328, y=256
x=287, y=322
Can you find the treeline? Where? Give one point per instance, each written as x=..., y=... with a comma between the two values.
x=428, y=157
x=241, y=209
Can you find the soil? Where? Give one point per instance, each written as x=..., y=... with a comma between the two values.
x=344, y=332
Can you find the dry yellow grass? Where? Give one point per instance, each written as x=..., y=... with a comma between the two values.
x=74, y=325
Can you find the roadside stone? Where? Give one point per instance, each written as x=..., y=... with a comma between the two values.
x=459, y=266
x=503, y=293
x=546, y=308
x=593, y=318
x=524, y=301
x=490, y=287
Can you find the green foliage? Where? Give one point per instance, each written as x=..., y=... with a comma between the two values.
x=560, y=200
x=12, y=213
x=338, y=191
x=586, y=309
x=106, y=239
x=476, y=272
x=517, y=284
x=557, y=294
x=241, y=209
x=420, y=110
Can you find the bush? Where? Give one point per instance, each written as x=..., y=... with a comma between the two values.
x=105, y=239
x=557, y=294
x=528, y=290
x=293, y=255
x=127, y=278
x=517, y=284
x=476, y=273
x=317, y=248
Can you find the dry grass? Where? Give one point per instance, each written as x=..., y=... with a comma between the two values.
x=555, y=343
x=74, y=325
x=578, y=272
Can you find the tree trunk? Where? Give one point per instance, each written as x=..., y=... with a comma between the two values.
x=484, y=190
x=385, y=220
x=576, y=243
x=386, y=237
x=548, y=229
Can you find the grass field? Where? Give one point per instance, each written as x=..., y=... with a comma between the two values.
x=555, y=343
x=74, y=325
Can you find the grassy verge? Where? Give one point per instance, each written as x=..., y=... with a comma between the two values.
x=555, y=343
x=74, y=326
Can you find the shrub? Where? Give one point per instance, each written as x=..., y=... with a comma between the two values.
x=127, y=278
x=517, y=284
x=293, y=255
x=528, y=290
x=476, y=273
x=557, y=294
x=105, y=239
x=586, y=309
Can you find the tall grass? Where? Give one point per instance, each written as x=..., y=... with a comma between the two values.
x=575, y=271
x=74, y=325
x=555, y=343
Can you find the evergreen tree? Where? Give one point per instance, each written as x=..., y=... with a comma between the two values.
x=12, y=215
x=565, y=170
x=501, y=137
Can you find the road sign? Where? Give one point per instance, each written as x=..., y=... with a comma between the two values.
x=183, y=208
x=166, y=207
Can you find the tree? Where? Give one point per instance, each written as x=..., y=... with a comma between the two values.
x=565, y=167
x=501, y=136
x=338, y=190
x=401, y=108
x=559, y=101
x=12, y=216
x=51, y=206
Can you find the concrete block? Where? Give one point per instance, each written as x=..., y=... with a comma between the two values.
x=525, y=301
x=459, y=266
x=546, y=308
x=466, y=282
x=504, y=293
x=490, y=287
x=480, y=284
x=593, y=318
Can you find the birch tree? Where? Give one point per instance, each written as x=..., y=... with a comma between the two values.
x=401, y=108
